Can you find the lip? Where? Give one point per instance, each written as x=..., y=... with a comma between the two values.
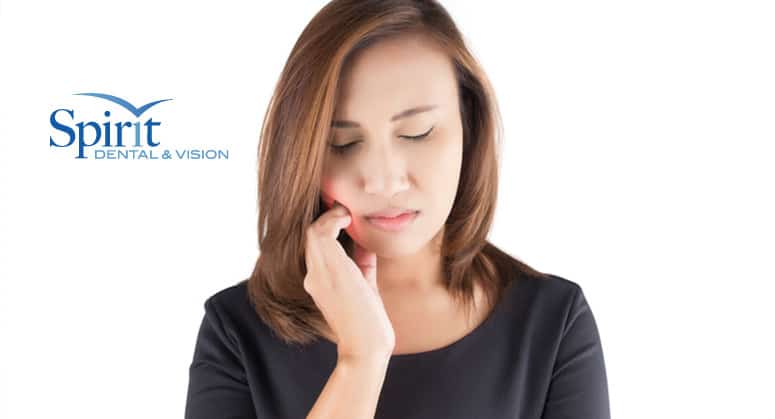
x=397, y=223
x=390, y=212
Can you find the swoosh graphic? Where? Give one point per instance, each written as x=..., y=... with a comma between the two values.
x=117, y=100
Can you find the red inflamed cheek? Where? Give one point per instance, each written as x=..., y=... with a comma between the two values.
x=331, y=192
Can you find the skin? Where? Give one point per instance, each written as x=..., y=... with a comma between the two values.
x=384, y=169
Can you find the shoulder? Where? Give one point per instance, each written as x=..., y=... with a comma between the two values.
x=548, y=288
x=551, y=300
x=230, y=304
x=557, y=285
x=230, y=295
x=569, y=296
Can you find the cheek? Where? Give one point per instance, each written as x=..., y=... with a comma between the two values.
x=440, y=165
x=337, y=190
x=332, y=189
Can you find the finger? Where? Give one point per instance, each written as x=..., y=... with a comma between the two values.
x=331, y=222
x=322, y=235
x=367, y=262
x=327, y=227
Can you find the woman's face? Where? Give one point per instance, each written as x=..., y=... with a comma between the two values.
x=381, y=167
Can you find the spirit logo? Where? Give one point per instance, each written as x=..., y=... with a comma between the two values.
x=91, y=133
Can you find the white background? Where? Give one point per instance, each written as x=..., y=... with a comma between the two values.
x=638, y=162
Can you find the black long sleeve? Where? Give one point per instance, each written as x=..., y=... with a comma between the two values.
x=538, y=355
x=579, y=386
x=218, y=387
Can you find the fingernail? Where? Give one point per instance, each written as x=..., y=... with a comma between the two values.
x=337, y=203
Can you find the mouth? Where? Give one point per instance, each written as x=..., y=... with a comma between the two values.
x=390, y=212
x=394, y=223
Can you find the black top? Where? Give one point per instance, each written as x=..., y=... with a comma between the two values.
x=537, y=355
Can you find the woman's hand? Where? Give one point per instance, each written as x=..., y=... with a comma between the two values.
x=345, y=290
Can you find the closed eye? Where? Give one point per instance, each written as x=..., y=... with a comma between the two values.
x=417, y=137
x=341, y=149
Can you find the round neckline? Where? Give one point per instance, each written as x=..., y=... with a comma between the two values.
x=470, y=336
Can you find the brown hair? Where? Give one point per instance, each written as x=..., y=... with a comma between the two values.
x=293, y=146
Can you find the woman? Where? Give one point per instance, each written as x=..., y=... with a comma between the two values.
x=354, y=311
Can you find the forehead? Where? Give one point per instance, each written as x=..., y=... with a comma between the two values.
x=395, y=74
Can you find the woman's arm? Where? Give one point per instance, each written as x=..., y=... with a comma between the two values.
x=579, y=387
x=352, y=390
x=217, y=386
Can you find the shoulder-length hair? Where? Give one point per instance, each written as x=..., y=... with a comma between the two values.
x=293, y=146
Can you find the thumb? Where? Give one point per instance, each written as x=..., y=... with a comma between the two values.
x=367, y=262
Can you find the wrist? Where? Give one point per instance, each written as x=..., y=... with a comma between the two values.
x=376, y=360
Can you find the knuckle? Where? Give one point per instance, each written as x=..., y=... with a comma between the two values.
x=321, y=224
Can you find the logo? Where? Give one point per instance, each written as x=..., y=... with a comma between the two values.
x=119, y=139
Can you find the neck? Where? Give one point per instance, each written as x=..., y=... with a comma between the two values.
x=416, y=273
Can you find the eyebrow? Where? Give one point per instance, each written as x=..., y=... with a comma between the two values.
x=403, y=114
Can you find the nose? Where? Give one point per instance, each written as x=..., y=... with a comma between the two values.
x=385, y=173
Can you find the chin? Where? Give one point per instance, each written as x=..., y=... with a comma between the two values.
x=388, y=247
x=389, y=244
